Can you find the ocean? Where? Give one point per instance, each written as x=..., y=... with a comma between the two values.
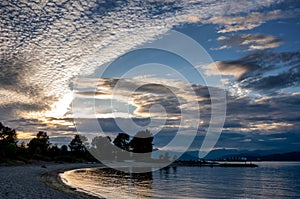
x=269, y=180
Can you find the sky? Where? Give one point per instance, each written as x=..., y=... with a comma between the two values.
x=102, y=67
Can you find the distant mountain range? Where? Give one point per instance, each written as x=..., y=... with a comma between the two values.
x=234, y=155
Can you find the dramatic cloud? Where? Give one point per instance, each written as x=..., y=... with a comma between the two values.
x=140, y=96
x=259, y=123
x=249, y=21
x=264, y=71
x=250, y=41
x=44, y=45
x=233, y=68
x=266, y=115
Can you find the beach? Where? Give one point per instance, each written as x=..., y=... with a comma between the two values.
x=39, y=180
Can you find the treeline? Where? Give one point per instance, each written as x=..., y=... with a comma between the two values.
x=139, y=148
x=39, y=148
x=78, y=150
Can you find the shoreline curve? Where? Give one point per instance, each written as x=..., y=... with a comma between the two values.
x=40, y=180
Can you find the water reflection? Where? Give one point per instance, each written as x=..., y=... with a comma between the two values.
x=129, y=183
x=165, y=172
x=280, y=180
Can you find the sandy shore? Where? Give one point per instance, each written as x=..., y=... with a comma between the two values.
x=38, y=181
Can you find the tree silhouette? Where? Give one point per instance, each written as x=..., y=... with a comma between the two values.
x=54, y=151
x=76, y=145
x=142, y=143
x=7, y=135
x=64, y=149
x=121, y=143
x=22, y=151
x=102, y=148
x=39, y=148
x=40, y=144
x=8, y=142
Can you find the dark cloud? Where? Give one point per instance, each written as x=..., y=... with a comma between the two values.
x=12, y=110
x=16, y=69
x=250, y=123
x=273, y=82
x=153, y=94
x=45, y=45
x=233, y=124
x=266, y=116
x=265, y=70
x=20, y=95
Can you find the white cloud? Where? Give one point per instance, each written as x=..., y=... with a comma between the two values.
x=236, y=70
x=247, y=22
x=56, y=41
x=250, y=41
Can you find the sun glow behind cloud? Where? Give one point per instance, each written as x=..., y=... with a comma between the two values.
x=45, y=46
x=75, y=38
x=61, y=107
x=149, y=93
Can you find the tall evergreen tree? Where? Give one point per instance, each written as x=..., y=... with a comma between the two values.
x=77, y=145
x=121, y=141
x=102, y=148
x=8, y=142
x=141, y=145
x=141, y=142
x=40, y=144
x=7, y=135
x=121, y=150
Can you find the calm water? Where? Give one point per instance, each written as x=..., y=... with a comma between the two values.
x=269, y=180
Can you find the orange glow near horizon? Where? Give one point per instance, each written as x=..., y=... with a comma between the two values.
x=25, y=135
